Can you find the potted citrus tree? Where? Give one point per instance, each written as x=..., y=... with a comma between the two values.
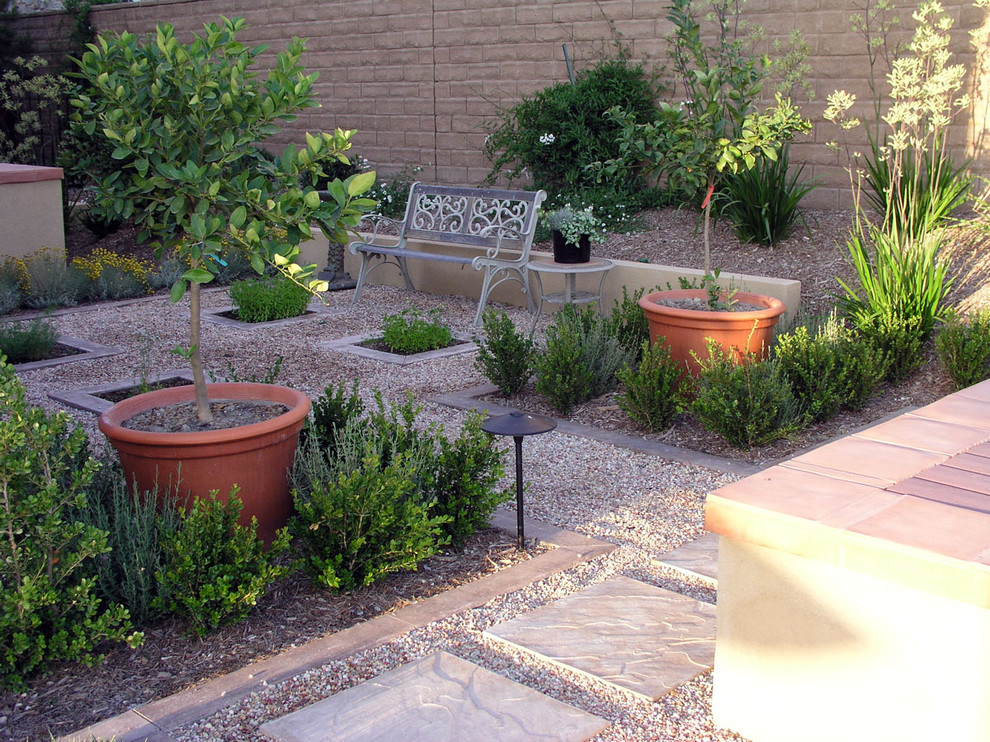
x=185, y=121
x=716, y=131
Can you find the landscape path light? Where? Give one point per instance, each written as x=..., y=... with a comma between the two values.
x=518, y=425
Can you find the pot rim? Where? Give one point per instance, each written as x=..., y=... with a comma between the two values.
x=111, y=421
x=774, y=307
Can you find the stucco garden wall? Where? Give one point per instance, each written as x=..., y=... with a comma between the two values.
x=419, y=79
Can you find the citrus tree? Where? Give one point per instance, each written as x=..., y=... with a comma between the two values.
x=186, y=120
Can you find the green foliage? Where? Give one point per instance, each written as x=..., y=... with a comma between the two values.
x=216, y=569
x=628, y=321
x=189, y=178
x=762, y=203
x=921, y=196
x=410, y=331
x=21, y=342
x=11, y=295
x=331, y=412
x=903, y=285
x=582, y=359
x=749, y=404
x=364, y=518
x=574, y=223
x=964, y=349
x=555, y=134
x=49, y=609
x=268, y=298
x=650, y=395
x=454, y=478
x=716, y=130
x=505, y=355
x=50, y=282
x=828, y=367
x=463, y=478
x=137, y=531
x=899, y=341
x=30, y=110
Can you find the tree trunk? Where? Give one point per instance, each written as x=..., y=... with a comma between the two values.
x=195, y=359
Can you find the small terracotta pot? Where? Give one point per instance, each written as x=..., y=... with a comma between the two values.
x=566, y=252
x=255, y=457
x=687, y=330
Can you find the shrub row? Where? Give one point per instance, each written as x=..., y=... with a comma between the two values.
x=815, y=370
x=46, y=279
x=84, y=559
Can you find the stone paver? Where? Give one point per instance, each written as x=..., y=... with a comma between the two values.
x=628, y=633
x=439, y=697
x=698, y=557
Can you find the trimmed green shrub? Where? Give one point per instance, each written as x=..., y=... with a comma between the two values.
x=628, y=321
x=505, y=355
x=268, y=298
x=22, y=342
x=463, y=480
x=650, y=396
x=49, y=608
x=410, y=331
x=365, y=519
x=332, y=410
x=899, y=340
x=829, y=367
x=562, y=376
x=748, y=404
x=582, y=359
x=964, y=349
x=137, y=531
x=217, y=569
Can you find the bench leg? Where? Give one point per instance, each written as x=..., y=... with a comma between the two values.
x=362, y=274
x=405, y=274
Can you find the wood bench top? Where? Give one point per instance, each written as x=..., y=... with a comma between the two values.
x=907, y=500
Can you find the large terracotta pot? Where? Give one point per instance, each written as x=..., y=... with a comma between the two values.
x=255, y=457
x=687, y=330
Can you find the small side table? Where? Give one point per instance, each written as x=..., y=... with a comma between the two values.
x=570, y=295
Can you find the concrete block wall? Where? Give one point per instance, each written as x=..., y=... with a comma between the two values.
x=419, y=79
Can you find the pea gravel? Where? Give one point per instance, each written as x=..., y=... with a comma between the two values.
x=643, y=504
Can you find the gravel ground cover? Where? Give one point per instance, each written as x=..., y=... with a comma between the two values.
x=645, y=505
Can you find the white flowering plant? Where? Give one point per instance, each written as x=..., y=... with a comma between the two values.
x=574, y=223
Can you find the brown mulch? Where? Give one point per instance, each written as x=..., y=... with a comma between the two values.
x=292, y=613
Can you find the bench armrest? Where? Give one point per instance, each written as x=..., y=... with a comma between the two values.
x=375, y=223
x=501, y=232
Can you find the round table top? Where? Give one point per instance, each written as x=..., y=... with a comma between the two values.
x=544, y=265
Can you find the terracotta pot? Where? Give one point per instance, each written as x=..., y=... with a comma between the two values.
x=255, y=457
x=567, y=252
x=688, y=329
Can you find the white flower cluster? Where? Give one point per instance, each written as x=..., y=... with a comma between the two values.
x=547, y=138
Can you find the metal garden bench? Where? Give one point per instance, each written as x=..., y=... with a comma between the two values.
x=499, y=222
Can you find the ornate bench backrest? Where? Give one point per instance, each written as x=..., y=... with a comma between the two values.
x=472, y=216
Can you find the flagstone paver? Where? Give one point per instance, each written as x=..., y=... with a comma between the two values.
x=436, y=698
x=633, y=635
x=698, y=557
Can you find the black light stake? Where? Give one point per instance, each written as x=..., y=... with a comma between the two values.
x=518, y=425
